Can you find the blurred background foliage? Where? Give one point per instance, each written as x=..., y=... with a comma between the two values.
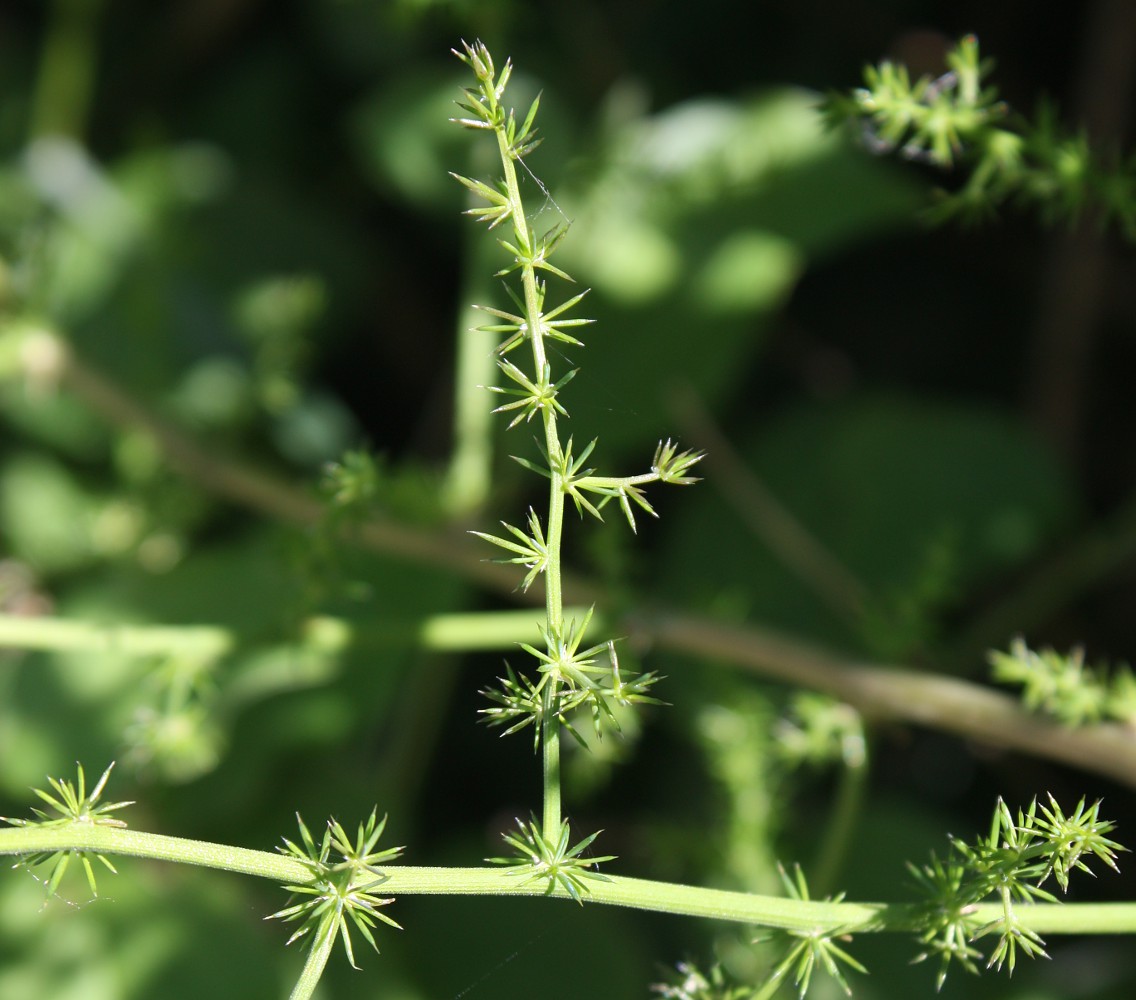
x=238, y=212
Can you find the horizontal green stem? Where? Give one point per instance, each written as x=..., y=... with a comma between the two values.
x=641, y=894
x=67, y=634
x=463, y=632
x=100, y=839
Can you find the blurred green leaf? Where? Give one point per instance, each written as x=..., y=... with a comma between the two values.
x=47, y=518
x=895, y=488
x=693, y=226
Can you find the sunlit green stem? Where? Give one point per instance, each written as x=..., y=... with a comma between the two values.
x=550, y=763
x=44, y=632
x=456, y=632
x=660, y=897
x=318, y=955
x=554, y=603
x=79, y=836
x=554, y=600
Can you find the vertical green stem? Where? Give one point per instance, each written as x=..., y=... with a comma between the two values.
x=554, y=599
x=470, y=470
x=839, y=828
x=554, y=603
x=313, y=968
x=550, y=762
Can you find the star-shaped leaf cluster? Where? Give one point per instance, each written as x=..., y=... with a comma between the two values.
x=552, y=860
x=71, y=804
x=340, y=893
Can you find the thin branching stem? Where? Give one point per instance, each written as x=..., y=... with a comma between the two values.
x=554, y=598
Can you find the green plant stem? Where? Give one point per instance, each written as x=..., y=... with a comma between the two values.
x=642, y=894
x=313, y=968
x=554, y=609
x=34, y=839
x=839, y=828
x=459, y=632
x=554, y=534
x=206, y=642
x=659, y=897
x=550, y=768
x=553, y=591
x=468, y=477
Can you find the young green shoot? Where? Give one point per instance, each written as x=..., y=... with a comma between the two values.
x=570, y=678
x=339, y=894
x=556, y=863
x=811, y=948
